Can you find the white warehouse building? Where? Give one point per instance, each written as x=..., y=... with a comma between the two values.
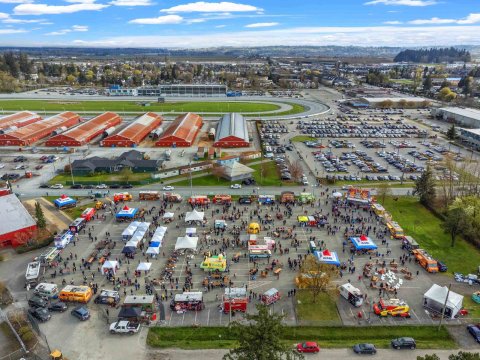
x=462, y=116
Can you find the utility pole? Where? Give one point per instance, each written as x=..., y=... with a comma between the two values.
x=444, y=306
x=71, y=170
x=190, y=172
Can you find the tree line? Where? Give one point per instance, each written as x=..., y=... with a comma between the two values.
x=433, y=55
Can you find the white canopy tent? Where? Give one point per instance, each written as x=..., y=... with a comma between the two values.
x=194, y=216
x=191, y=231
x=132, y=242
x=168, y=215
x=153, y=251
x=435, y=298
x=130, y=230
x=144, y=266
x=110, y=265
x=337, y=194
x=186, y=243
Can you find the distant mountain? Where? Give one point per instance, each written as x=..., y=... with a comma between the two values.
x=434, y=55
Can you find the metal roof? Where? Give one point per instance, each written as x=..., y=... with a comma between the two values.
x=13, y=214
x=232, y=124
x=393, y=99
x=466, y=112
x=184, y=127
x=18, y=119
x=138, y=129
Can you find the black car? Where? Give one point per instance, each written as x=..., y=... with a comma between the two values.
x=88, y=186
x=127, y=186
x=245, y=200
x=44, y=186
x=57, y=306
x=442, y=267
x=76, y=186
x=20, y=159
x=364, y=349
x=41, y=314
x=81, y=313
x=114, y=186
x=404, y=343
x=474, y=330
x=36, y=302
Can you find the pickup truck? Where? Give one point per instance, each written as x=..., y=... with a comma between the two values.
x=124, y=327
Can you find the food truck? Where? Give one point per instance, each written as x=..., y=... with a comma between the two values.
x=410, y=244
x=270, y=296
x=287, y=197
x=266, y=199
x=392, y=307
x=108, y=297
x=378, y=209
x=77, y=225
x=144, y=302
x=187, y=301
x=76, y=293
x=149, y=195
x=306, y=198
x=172, y=197
x=222, y=199
x=46, y=290
x=395, y=230
x=259, y=253
x=62, y=240
x=48, y=256
x=34, y=273
x=65, y=202
x=425, y=260
x=235, y=299
x=88, y=214
x=351, y=294
x=309, y=221
x=125, y=196
x=214, y=263
x=199, y=200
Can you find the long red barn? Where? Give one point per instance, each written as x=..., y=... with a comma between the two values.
x=18, y=120
x=84, y=133
x=30, y=134
x=182, y=131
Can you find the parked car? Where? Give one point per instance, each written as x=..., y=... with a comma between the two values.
x=20, y=167
x=20, y=159
x=101, y=186
x=115, y=186
x=81, y=313
x=127, y=186
x=38, y=167
x=364, y=349
x=76, y=186
x=56, y=186
x=442, y=267
x=404, y=343
x=474, y=330
x=245, y=200
x=308, y=347
x=44, y=186
x=37, y=301
x=40, y=313
x=2, y=166
x=168, y=188
x=57, y=306
x=235, y=186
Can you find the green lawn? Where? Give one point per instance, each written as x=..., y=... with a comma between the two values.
x=100, y=178
x=190, y=338
x=325, y=309
x=419, y=222
x=402, y=81
x=302, y=138
x=119, y=106
x=75, y=212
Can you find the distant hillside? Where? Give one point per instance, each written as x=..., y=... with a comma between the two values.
x=434, y=55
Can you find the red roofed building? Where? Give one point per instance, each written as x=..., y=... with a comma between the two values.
x=182, y=131
x=18, y=120
x=84, y=133
x=31, y=133
x=134, y=133
x=17, y=226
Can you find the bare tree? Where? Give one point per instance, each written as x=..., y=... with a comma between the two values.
x=316, y=277
x=218, y=171
x=296, y=170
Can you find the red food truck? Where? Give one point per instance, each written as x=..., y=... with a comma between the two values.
x=88, y=214
x=235, y=299
x=187, y=301
x=270, y=296
x=199, y=200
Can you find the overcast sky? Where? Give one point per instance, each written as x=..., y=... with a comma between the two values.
x=166, y=23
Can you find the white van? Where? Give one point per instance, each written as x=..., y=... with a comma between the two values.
x=47, y=290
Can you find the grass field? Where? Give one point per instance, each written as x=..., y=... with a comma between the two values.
x=324, y=309
x=427, y=337
x=75, y=212
x=302, y=138
x=419, y=222
x=99, y=178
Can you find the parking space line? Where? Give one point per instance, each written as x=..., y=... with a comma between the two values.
x=183, y=317
x=208, y=317
x=196, y=313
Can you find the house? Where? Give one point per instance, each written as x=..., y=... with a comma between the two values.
x=237, y=171
x=228, y=160
x=133, y=159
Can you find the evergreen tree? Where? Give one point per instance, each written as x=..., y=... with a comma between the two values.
x=427, y=83
x=425, y=187
x=452, y=133
x=41, y=222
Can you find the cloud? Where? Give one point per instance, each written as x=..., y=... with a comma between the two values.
x=45, y=9
x=402, y=2
x=260, y=25
x=15, y=1
x=131, y=3
x=4, y=15
x=74, y=28
x=12, y=31
x=161, y=20
x=220, y=26
x=470, y=19
x=208, y=7
x=22, y=21
x=402, y=36
x=394, y=22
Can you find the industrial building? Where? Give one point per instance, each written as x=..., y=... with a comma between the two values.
x=182, y=131
x=134, y=133
x=30, y=134
x=462, y=116
x=232, y=131
x=183, y=90
x=397, y=102
x=471, y=137
x=20, y=119
x=87, y=131
x=18, y=226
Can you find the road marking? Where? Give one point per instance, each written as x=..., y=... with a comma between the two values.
x=183, y=317
x=208, y=317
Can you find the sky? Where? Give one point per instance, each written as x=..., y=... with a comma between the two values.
x=200, y=24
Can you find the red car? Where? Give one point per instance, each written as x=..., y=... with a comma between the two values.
x=38, y=167
x=308, y=347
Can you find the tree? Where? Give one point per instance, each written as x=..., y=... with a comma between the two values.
x=383, y=190
x=316, y=277
x=126, y=174
x=296, y=170
x=452, y=133
x=70, y=79
x=218, y=171
x=41, y=222
x=453, y=223
x=425, y=187
x=427, y=83
x=464, y=356
x=445, y=94
x=428, y=357
x=261, y=338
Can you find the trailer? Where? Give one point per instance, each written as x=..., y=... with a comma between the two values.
x=192, y=301
x=172, y=197
x=199, y=200
x=287, y=197
x=77, y=225
x=34, y=273
x=270, y=296
x=125, y=196
x=351, y=294
x=235, y=299
x=266, y=199
x=149, y=195
x=48, y=256
x=222, y=199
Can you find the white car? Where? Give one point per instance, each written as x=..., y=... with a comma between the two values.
x=2, y=166
x=168, y=188
x=20, y=167
x=235, y=186
x=101, y=186
x=56, y=186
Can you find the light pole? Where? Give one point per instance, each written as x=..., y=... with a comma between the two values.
x=190, y=173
